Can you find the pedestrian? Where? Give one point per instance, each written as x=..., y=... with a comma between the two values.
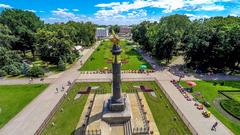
x=30, y=80
x=214, y=126
x=57, y=90
x=69, y=83
x=42, y=79
x=62, y=88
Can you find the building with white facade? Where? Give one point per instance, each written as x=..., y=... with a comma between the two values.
x=102, y=33
x=125, y=31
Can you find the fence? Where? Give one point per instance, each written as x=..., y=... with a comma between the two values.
x=49, y=117
x=145, y=129
x=142, y=131
x=183, y=117
x=87, y=117
x=93, y=132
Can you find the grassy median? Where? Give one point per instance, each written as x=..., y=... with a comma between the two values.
x=100, y=57
x=13, y=98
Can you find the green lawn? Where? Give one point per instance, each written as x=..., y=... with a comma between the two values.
x=13, y=98
x=209, y=91
x=234, y=95
x=231, y=106
x=66, y=121
x=165, y=116
x=99, y=58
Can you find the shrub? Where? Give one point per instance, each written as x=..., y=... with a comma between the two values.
x=69, y=59
x=61, y=65
x=2, y=73
x=12, y=70
x=35, y=71
x=25, y=69
x=221, y=83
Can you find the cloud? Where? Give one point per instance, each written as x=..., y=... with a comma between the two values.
x=212, y=8
x=139, y=13
x=31, y=10
x=194, y=17
x=63, y=12
x=5, y=6
x=168, y=6
x=75, y=10
x=41, y=11
x=108, y=5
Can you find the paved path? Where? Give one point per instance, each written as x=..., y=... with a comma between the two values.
x=25, y=81
x=32, y=116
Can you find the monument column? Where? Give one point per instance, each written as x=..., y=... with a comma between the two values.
x=117, y=109
x=116, y=75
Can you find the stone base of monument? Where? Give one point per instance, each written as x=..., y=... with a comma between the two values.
x=112, y=115
x=116, y=106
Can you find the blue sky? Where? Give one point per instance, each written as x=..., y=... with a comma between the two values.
x=122, y=11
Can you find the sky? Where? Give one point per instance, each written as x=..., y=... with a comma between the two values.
x=122, y=12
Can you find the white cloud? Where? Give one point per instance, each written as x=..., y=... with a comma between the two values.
x=63, y=12
x=41, y=11
x=139, y=13
x=193, y=17
x=235, y=15
x=75, y=10
x=212, y=8
x=108, y=5
x=31, y=10
x=168, y=6
x=5, y=6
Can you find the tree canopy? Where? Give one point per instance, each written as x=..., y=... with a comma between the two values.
x=205, y=43
x=22, y=31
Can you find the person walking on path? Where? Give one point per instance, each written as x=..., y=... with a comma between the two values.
x=30, y=80
x=214, y=126
x=63, y=88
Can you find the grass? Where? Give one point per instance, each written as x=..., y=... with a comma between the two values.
x=232, y=107
x=234, y=95
x=209, y=90
x=102, y=54
x=66, y=121
x=165, y=116
x=13, y=98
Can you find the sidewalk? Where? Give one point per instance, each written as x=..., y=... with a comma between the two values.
x=32, y=116
x=25, y=81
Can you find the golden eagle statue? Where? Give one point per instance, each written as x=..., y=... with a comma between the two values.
x=114, y=38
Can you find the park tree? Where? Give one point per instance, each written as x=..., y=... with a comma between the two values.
x=23, y=25
x=114, y=28
x=54, y=45
x=10, y=62
x=140, y=35
x=6, y=36
x=233, y=44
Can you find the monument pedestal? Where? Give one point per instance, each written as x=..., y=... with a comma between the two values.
x=111, y=113
x=116, y=106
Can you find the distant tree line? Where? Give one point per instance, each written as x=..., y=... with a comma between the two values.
x=206, y=44
x=22, y=32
